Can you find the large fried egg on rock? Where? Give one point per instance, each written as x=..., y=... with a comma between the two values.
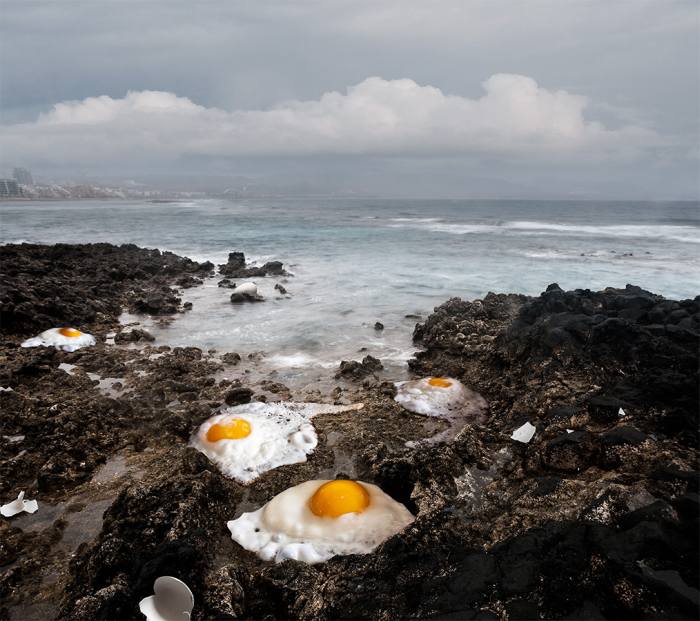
x=441, y=397
x=67, y=339
x=317, y=520
x=246, y=440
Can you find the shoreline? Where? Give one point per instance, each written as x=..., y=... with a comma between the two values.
x=493, y=515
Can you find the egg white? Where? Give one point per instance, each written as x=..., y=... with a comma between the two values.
x=286, y=528
x=53, y=338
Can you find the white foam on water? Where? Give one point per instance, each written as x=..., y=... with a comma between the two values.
x=685, y=234
x=298, y=360
x=415, y=219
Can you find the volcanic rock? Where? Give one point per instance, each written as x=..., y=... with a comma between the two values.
x=133, y=336
x=43, y=286
x=236, y=268
x=238, y=395
x=352, y=369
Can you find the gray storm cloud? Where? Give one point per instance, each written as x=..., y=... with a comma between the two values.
x=514, y=117
x=280, y=91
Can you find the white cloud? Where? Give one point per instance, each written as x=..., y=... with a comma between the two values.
x=514, y=117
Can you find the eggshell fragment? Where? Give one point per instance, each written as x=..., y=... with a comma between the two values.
x=524, y=434
x=19, y=505
x=172, y=600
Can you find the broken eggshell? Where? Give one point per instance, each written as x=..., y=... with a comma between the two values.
x=172, y=600
x=19, y=505
x=524, y=434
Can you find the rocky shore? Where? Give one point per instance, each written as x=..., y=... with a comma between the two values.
x=595, y=517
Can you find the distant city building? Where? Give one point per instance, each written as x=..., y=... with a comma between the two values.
x=23, y=176
x=9, y=188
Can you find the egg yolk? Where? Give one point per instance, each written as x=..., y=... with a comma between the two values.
x=439, y=382
x=69, y=332
x=234, y=429
x=338, y=497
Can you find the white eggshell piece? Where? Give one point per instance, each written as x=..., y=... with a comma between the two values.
x=172, y=600
x=524, y=434
x=18, y=506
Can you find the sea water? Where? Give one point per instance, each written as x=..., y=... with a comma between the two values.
x=359, y=261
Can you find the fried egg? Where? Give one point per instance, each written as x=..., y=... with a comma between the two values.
x=246, y=440
x=432, y=396
x=67, y=339
x=317, y=520
x=441, y=397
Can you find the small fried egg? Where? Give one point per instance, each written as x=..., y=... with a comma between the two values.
x=432, y=396
x=441, y=397
x=246, y=440
x=66, y=339
x=317, y=520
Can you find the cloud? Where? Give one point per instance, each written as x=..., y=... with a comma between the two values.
x=515, y=117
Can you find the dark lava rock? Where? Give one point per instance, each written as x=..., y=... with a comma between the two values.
x=352, y=369
x=231, y=358
x=157, y=304
x=236, y=268
x=187, y=282
x=238, y=395
x=605, y=409
x=280, y=288
x=569, y=452
x=134, y=336
x=623, y=434
x=83, y=284
x=379, y=326
x=236, y=261
x=565, y=343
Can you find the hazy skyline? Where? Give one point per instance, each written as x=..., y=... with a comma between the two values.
x=580, y=99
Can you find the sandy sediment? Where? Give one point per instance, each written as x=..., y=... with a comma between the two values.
x=596, y=517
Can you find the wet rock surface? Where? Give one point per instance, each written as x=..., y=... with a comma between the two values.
x=236, y=267
x=352, y=369
x=86, y=284
x=595, y=517
x=133, y=336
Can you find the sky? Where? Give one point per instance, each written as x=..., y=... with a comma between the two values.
x=574, y=99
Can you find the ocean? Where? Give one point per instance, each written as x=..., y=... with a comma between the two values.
x=359, y=261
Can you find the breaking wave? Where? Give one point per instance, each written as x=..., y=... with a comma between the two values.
x=685, y=234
